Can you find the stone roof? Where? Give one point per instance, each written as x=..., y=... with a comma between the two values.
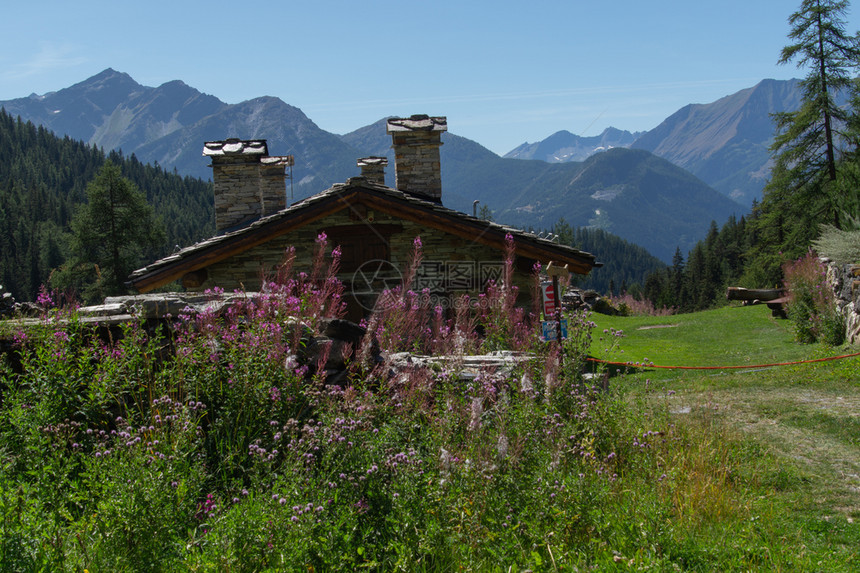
x=417, y=123
x=372, y=160
x=358, y=190
x=278, y=160
x=235, y=146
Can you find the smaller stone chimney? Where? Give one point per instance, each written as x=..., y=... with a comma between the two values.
x=373, y=169
x=417, y=167
x=248, y=183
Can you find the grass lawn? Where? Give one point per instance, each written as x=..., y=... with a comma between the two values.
x=729, y=336
x=804, y=419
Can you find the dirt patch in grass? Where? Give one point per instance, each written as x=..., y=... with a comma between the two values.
x=657, y=326
x=819, y=431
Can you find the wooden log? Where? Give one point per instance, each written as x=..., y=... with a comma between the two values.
x=758, y=294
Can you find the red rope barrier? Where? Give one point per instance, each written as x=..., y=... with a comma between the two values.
x=641, y=365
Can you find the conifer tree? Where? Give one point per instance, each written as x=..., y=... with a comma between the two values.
x=110, y=233
x=807, y=186
x=807, y=141
x=677, y=275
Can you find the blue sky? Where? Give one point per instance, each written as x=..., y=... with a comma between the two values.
x=502, y=72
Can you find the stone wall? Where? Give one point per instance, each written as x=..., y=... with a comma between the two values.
x=452, y=265
x=237, y=190
x=373, y=168
x=845, y=280
x=247, y=186
x=273, y=189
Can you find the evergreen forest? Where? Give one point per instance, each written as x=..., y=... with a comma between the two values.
x=43, y=180
x=625, y=265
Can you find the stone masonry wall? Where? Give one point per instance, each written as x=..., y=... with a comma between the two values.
x=845, y=281
x=273, y=190
x=417, y=166
x=373, y=169
x=445, y=254
x=237, y=191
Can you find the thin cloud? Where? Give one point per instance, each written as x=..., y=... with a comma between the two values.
x=49, y=58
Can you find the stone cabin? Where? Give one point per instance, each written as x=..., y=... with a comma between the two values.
x=374, y=225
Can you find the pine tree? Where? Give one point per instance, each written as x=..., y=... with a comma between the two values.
x=110, y=234
x=677, y=276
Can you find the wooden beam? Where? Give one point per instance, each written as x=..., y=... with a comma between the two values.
x=749, y=294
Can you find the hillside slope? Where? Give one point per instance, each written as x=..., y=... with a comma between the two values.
x=634, y=194
x=726, y=143
x=43, y=179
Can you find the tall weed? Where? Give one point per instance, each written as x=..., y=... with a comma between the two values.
x=812, y=303
x=628, y=305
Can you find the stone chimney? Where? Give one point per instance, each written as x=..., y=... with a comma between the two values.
x=416, y=142
x=373, y=169
x=248, y=183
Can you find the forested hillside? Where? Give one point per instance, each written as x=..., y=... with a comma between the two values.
x=43, y=178
x=625, y=265
x=811, y=199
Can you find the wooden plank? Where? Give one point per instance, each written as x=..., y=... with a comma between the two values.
x=555, y=270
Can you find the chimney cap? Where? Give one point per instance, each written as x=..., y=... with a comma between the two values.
x=278, y=160
x=372, y=160
x=236, y=146
x=419, y=122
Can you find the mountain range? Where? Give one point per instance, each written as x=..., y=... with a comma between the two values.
x=724, y=143
x=563, y=146
x=649, y=188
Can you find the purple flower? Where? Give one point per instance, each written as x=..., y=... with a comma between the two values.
x=44, y=297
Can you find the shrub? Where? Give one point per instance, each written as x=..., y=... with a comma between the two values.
x=404, y=320
x=811, y=302
x=840, y=245
x=224, y=455
x=628, y=305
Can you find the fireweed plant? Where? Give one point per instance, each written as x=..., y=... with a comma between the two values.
x=405, y=321
x=811, y=302
x=215, y=445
